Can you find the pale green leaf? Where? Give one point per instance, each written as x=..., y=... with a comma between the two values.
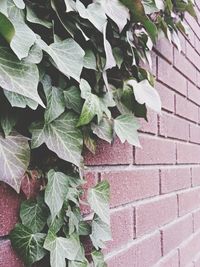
x=32, y=17
x=98, y=259
x=35, y=55
x=89, y=60
x=78, y=264
x=104, y=130
x=110, y=60
x=19, y=3
x=70, y=5
x=73, y=99
x=20, y=101
x=8, y=122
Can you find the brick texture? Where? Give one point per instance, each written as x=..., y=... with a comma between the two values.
x=155, y=189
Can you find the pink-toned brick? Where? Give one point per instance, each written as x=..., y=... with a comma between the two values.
x=189, y=201
x=196, y=220
x=186, y=109
x=155, y=213
x=164, y=48
x=107, y=154
x=8, y=258
x=196, y=176
x=171, y=260
x=128, y=186
x=189, y=250
x=193, y=93
x=9, y=208
x=188, y=153
x=175, y=179
x=193, y=56
x=155, y=151
x=167, y=97
x=183, y=43
x=144, y=253
x=184, y=66
x=175, y=233
x=195, y=133
x=170, y=76
x=192, y=23
x=152, y=125
x=197, y=261
x=174, y=127
x=122, y=228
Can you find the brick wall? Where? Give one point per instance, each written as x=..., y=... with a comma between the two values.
x=155, y=203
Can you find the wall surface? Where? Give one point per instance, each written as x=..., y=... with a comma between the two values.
x=155, y=203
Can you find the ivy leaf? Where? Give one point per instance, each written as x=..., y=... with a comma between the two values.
x=149, y=6
x=63, y=248
x=145, y=93
x=3, y=8
x=98, y=259
x=73, y=99
x=33, y=214
x=18, y=77
x=70, y=5
x=7, y=29
x=20, y=101
x=100, y=233
x=90, y=60
x=19, y=3
x=61, y=136
x=28, y=244
x=67, y=55
x=78, y=264
x=8, y=122
x=104, y=130
x=14, y=159
x=35, y=55
x=98, y=198
x=126, y=127
x=110, y=60
x=55, y=100
x=56, y=191
x=32, y=17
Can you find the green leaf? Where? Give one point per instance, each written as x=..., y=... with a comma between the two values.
x=101, y=233
x=98, y=198
x=67, y=55
x=20, y=101
x=90, y=60
x=150, y=6
x=55, y=100
x=18, y=77
x=7, y=29
x=19, y=3
x=78, y=264
x=104, y=130
x=63, y=248
x=32, y=17
x=146, y=94
x=73, y=99
x=110, y=60
x=126, y=127
x=61, y=136
x=28, y=244
x=14, y=159
x=3, y=8
x=35, y=55
x=56, y=191
x=8, y=122
x=98, y=259
x=33, y=214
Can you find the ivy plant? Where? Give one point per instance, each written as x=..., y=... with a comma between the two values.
x=70, y=73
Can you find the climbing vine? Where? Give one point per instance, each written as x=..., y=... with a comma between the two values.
x=70, y=73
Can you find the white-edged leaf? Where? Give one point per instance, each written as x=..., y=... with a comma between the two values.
x=73, y=99
x=20, y=101
x=35, y=55
x=90, y=60
x=32, y=17
x=110, y=60
x=19, y=3
x=104, y=130
x=126, y=127
x=98, y=258
x=14, y=159
x=146, y=94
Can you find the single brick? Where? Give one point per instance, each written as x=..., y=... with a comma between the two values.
x=193, y=93
x=155, y=213
x=171, y=126
x=195, y=133
x=155, y=151
x=167, y=97
x=196, y=220
x=175, y=179
x=122, y=228
x=9, y=208
x=186, y=108
x=170, y=76
x=189, y=249
x=128, y=186
x=164, y=48
x=196, y=176
x=189, y=201
x=175, y=233
x=171, y=260
x=144, y=253
x=188, y=153
x=107, y=154
x=8, y=258
x=152, y=125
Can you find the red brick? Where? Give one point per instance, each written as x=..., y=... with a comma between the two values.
x=155, y=213
x=175, y=179
x=193, y=93
x=170, y=76
x=122, y=228
x=195, y=133
x=164, y=48
x=9, y=208
x=196, y=176
x=188, y=153
x=144, y=253
x=189, y=201
x=176, y=233
x=189, y=250
x=167, y=97
x=196, y=220
x=8, y=258
x=171, y=126
x=155, y=151
x=171, y=260
x=107, y=154
x=184, y=65
x=128, y=186
x=152, y=125
x=186, y=109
